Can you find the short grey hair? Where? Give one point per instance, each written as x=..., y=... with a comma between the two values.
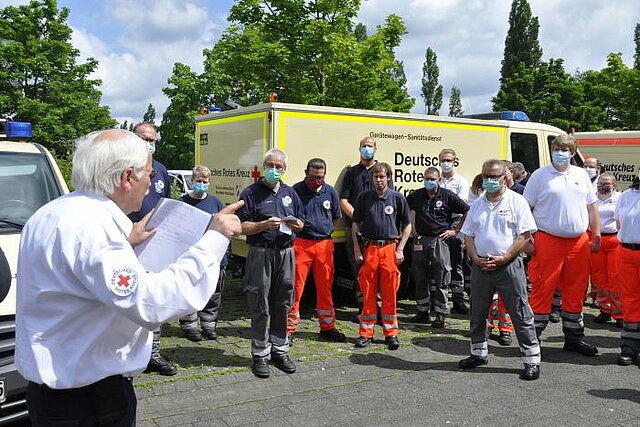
x=100, y=158
x=492, y=162
x=274, y=152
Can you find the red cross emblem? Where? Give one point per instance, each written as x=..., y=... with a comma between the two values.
x=124, y=280
x=255, y=174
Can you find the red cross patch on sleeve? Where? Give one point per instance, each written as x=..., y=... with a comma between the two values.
x=124, y=282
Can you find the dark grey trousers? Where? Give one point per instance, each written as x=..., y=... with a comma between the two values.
x=510, y=281
x=269, y=285
x=209, y=314
x=431, y=271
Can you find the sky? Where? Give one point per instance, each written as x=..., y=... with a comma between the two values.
x=137, y=42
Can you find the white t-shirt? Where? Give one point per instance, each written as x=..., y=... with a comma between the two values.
x=494, y=227
x=560, y=199
x=606, y=209
x=85, y=305
x=628, y=213
x=458, y=184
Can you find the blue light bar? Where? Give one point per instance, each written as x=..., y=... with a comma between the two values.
x=18, y=130
x=519, y=116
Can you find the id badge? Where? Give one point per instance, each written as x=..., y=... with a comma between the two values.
x=417, y=247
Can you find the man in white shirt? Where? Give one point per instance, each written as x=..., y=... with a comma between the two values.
x=85, y=305
x=455, y=182
x=498, y=226
x=563, y=203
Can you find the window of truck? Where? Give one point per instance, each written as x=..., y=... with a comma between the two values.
x=27, y=183
x=524, y=149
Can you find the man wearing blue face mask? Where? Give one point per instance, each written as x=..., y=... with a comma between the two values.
x=434, y=207
x=564, y=205
x=208, y=316
x=357, y=180
x=158, y=189
x=271, y=214
x=460, y=186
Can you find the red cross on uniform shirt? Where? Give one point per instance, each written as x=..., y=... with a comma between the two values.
x=255, y=174
x=124, y=280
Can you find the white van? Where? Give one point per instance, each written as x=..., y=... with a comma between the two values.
x=181, y=179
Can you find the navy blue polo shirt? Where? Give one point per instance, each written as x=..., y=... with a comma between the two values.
x=357, y=179
x=321, y=208
x=160, y=187
x=210, y=204
x=261, y=203
x=381, y=216
x=518, y=188
x=434, y=214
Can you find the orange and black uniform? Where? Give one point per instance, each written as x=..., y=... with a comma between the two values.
x=381, y=220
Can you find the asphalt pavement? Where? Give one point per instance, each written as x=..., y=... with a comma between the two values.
x=418, y=384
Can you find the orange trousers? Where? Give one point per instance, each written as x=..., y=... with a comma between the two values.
x=604, y=274
x=499, y=310
x=379, y=273
x=559, y=263
x=319, y=256
x=629, y=278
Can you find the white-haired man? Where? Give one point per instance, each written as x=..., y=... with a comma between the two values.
x=85, y=304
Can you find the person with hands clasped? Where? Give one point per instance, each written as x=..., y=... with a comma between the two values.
x=271, y=216
x=434, y=207
x=383, y=217
x=497, y=228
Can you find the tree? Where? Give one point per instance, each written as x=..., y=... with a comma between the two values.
x=150, y=115
x=431, y=89
x=455, y=103
x=308, y=52
x=522, y=56
x=40, y=79
x=636, y=40
x=125, y=125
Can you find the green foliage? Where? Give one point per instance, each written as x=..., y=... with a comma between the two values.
x=636, y=41
x=150, y=115
x=455, y=103
x=521, y=44
x=40, y=79
x=431, y=89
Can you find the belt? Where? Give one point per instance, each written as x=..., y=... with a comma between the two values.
x=270, y=245
x=314, y=238
x=632, y=246
x=609, y=234
x=382, y=242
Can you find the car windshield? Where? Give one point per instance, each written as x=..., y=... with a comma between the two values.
x=26, y=183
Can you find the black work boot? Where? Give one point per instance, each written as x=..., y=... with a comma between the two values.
x=192, y=335
x=421, y=317
x=472, y=362
x=459, y=306
x=160, y=365
x=283, y=362
x=209, y=331
x=259, y=367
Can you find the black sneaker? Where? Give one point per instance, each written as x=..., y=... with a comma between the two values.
x=504, y=338
x=284, y=363
x=362, y=342
x=602, y=318
x=472, y=362
x=161, y=366
x=259, y=367
x=531, y=372
x=581, y=347
x=333, y=335
x=421, y=317
x=192, y=335
x=209, y=334
x=439, y=321
x=459, y=306
x=392, y=342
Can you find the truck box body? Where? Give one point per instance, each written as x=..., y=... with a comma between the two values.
x=619, y=152
x=233, y=143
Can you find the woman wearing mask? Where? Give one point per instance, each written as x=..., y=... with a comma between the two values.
x=627, y=215
x=199, y=198
x=603, y=262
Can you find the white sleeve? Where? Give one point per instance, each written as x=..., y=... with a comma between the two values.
x=531, y=190
x=465, y=188
x=110, y=270
x=526, y=222
x=469, y=226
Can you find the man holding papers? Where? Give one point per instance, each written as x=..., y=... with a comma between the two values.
x=85, y=305
x=272, y=213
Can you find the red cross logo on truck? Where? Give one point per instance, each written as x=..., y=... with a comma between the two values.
x=255, y=174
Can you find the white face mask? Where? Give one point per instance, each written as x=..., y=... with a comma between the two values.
x=590, y=171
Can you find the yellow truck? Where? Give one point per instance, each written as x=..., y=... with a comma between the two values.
x=619, y=152
x=232, y=144
x=29, y=178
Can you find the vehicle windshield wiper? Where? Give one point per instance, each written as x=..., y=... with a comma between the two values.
x=18, y=225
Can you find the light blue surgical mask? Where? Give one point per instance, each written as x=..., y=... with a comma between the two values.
x=200, y=187
x=560, y=158
x=431, y=185
x=151, y=148
x=491, y=184
x=272, y=175
x=446, y=166
x=367, y=152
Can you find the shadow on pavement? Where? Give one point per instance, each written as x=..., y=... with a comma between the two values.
x=198, y=356
x=618, y=394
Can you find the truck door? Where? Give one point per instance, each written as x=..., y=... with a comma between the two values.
x=525, y=149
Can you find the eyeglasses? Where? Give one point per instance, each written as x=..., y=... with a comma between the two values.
x=485, y=176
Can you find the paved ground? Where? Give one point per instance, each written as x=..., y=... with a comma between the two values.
x=417, y=384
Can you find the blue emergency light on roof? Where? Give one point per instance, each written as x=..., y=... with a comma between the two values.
x=214, y=109
x=519, y=116
x=18, y=130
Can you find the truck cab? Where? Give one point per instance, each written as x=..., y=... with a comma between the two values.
x=29, y=178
